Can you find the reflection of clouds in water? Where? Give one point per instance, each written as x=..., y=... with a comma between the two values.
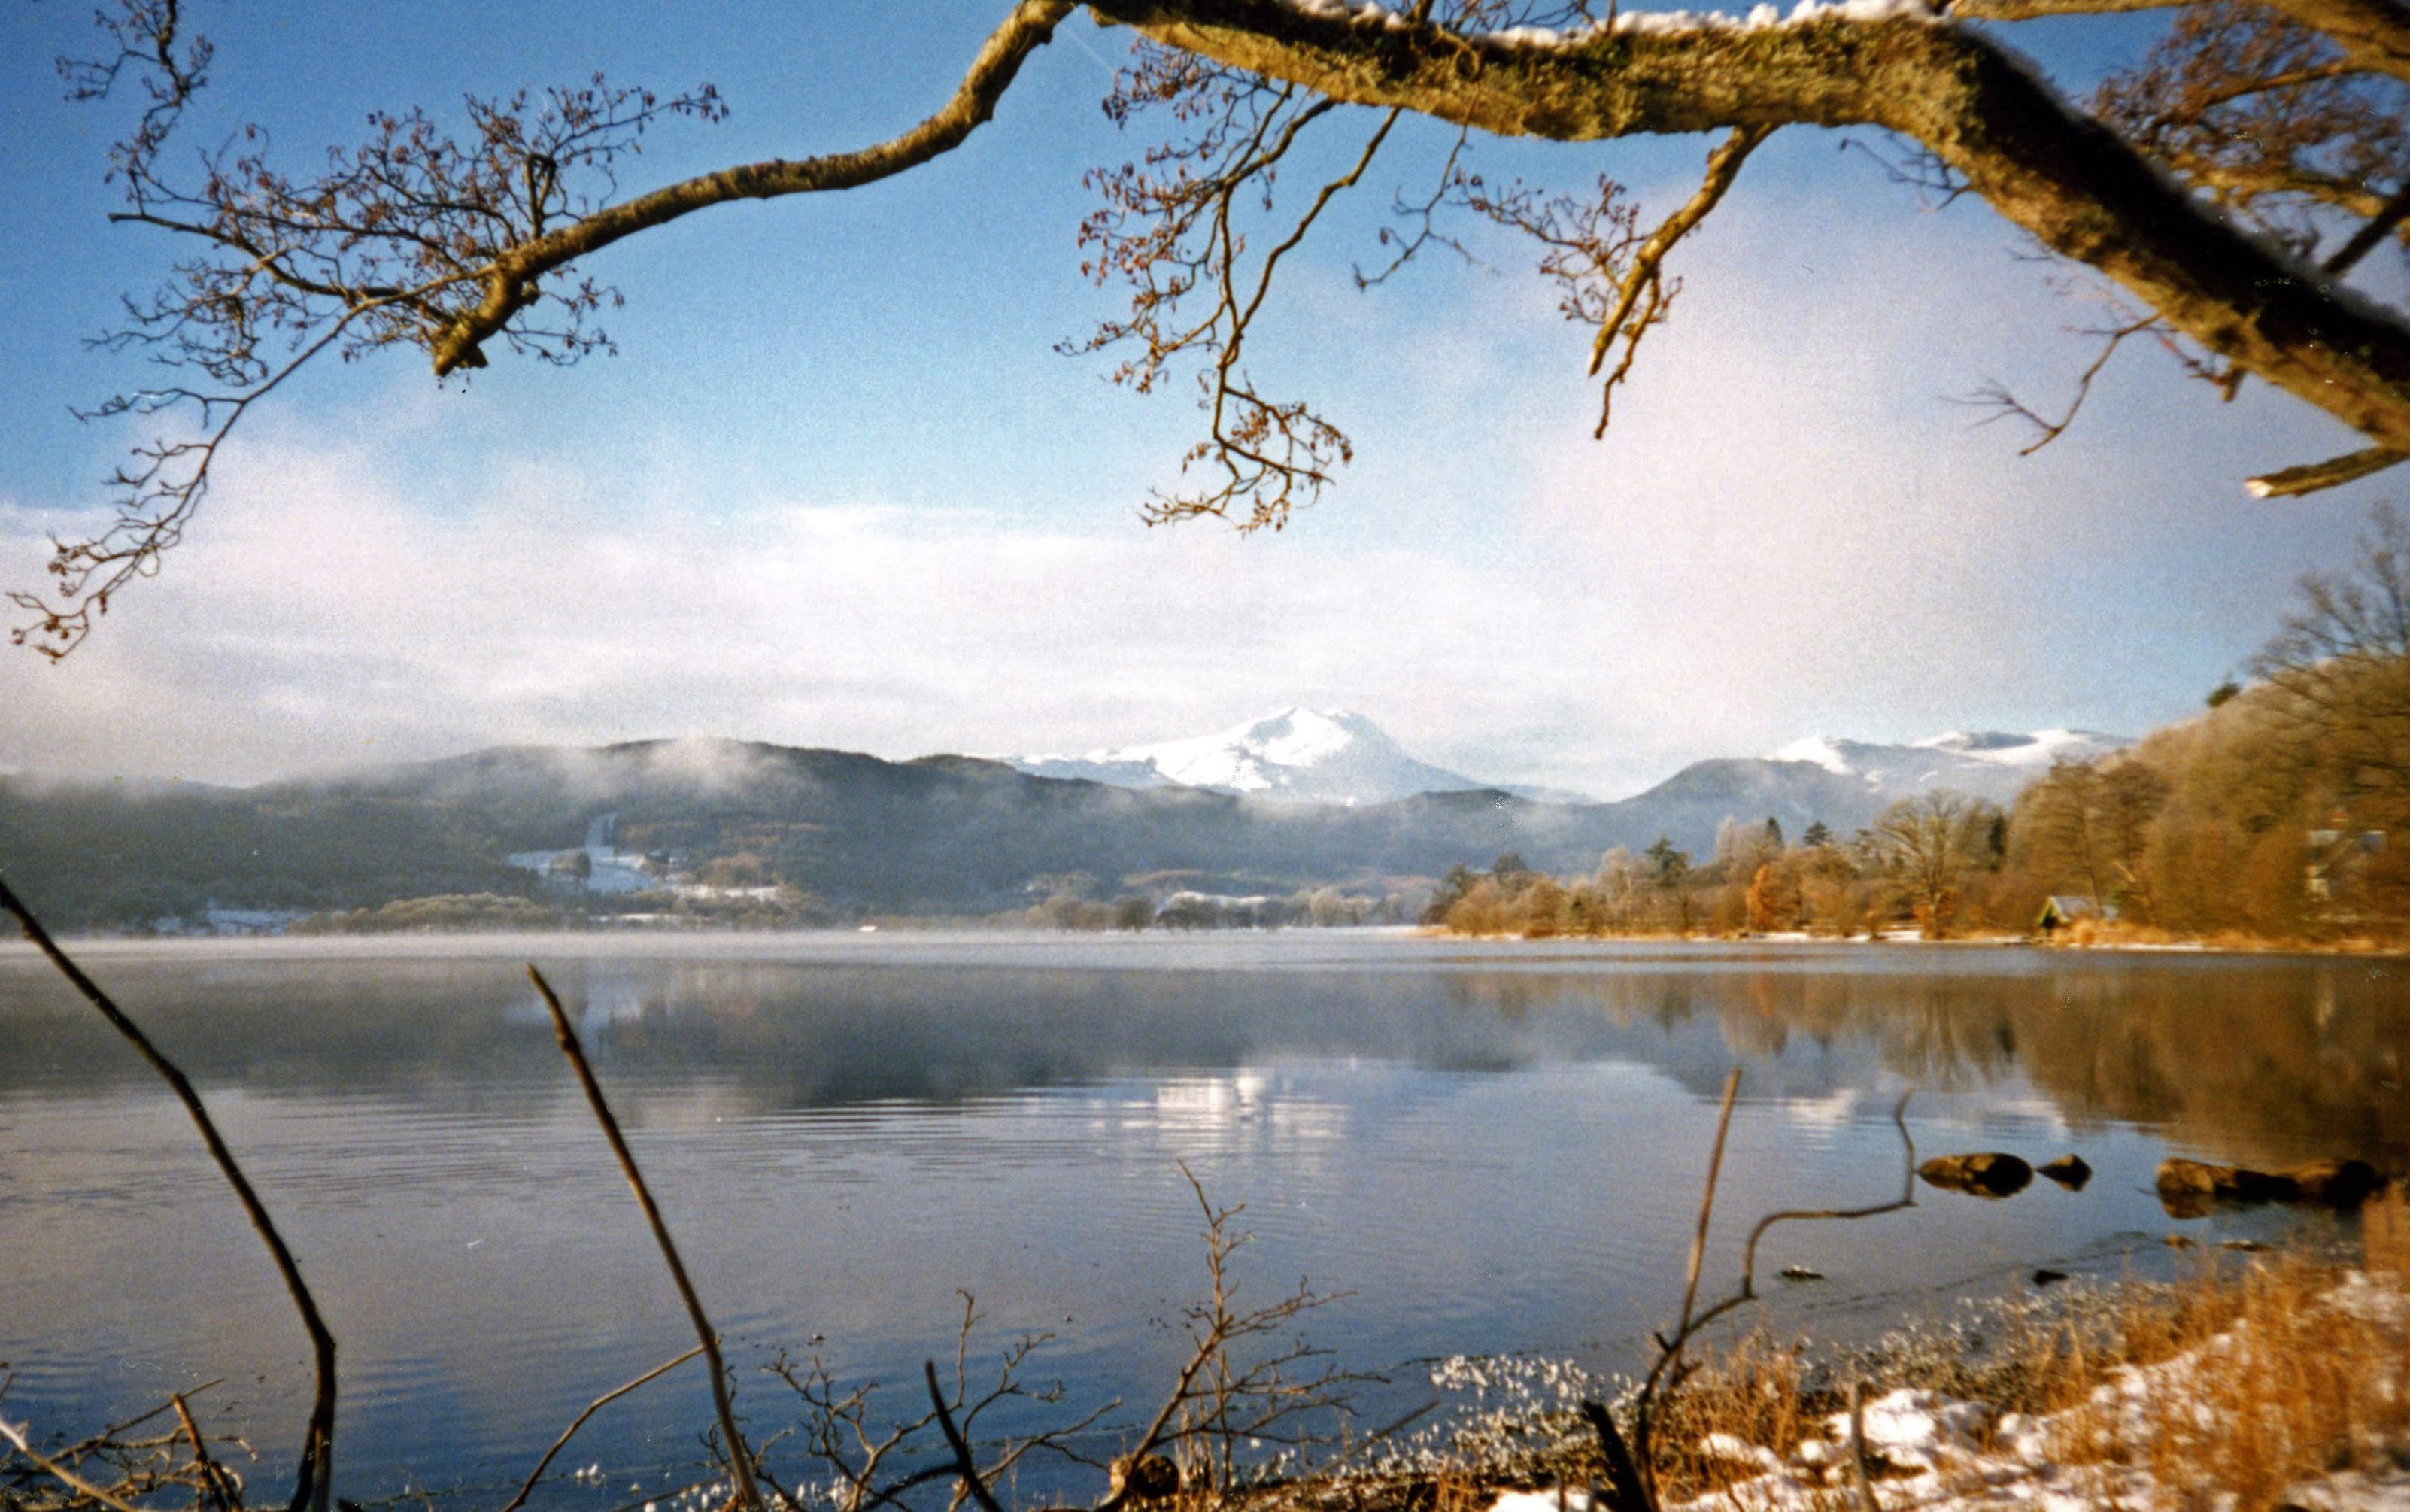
x=2027, y=1113
x=1834, y=1110
x=616, y=999
x=592, y=1001
x=1243, y=1111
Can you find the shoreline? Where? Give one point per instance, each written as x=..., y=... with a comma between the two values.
x=958, y=934
x=2214, y=945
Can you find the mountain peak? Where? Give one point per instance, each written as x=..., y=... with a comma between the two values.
x=1299, y=754
x=1986, y=764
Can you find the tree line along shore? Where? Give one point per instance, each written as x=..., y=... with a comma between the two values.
x=2278, y=815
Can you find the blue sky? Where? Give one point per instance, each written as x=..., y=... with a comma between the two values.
x=840, y=489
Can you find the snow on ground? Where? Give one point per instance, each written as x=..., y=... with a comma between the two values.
x=1945, y=1455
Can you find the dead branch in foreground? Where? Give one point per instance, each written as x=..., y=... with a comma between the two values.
x=1632, y=1467
x=591, y=1408
x=740, y=1457
x=315, y=1481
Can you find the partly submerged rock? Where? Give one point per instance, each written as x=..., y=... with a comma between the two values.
x=2333, y=1184
x=2048, y=1277
x=1986, y=1175
x=2069, y=1171
x=2189, y=1188
x=1148, y=1477
x=1800, y=1273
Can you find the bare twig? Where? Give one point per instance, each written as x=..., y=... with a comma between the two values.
x=314, y=1488
x=62, y=1474
x=740, y=1459
x=1626, y=1492
x=1860, y=1477
x=1631, y=1472
x=1723, y=166
x=1218, y=1400
x=1423, y=213
x=965, y=1465
x=114, y=1429
x=1707, y=1200
x=2364, y=241
x=591, y=1408
x=1667, y=1372
x=2005, y=405
x=214, y=1487
x=1611, y=276
x=1907, y=1199
x=159, y=491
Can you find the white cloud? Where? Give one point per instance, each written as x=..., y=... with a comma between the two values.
x=1787, y=531
x=320, y=618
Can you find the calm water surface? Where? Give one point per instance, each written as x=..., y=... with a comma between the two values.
x=1490, y=1148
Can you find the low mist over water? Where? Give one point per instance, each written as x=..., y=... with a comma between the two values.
x=1487, y=1147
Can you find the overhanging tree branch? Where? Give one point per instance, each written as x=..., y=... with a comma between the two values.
x=2174, y=194
x=2332, y=473
x=509, y=284
x=2373, y=34
x=2067, y=180
x=2040, y=9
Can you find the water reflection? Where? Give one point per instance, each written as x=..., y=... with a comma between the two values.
x=2255, y=1060
x=2249, y=1059
x=1494, y=1148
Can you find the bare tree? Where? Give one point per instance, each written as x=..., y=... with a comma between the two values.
x=2339, y=671
x=2195, y=191
x=1930, y=843
x=2091, y=823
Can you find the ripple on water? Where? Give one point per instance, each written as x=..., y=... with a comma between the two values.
x=1490, y=1148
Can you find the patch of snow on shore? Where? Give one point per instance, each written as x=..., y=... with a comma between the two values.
x=1947, y=1455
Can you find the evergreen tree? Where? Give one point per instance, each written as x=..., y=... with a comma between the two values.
x=1668, y=867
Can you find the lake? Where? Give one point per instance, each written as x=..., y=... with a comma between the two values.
x=1486, y=1147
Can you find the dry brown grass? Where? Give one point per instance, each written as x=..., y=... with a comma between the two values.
x=2259, y=1374
x=2385, y=1233
x=2266, y=1370
x=2102, y=934
x=1758, y=1392
x=2263, y=1379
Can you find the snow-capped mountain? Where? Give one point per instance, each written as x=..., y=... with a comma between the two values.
x=1299, y=754
x=1987, y=764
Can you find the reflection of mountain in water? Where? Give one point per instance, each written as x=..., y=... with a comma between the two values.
x=2250, y=1060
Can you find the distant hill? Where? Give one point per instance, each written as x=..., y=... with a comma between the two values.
x=943, y=835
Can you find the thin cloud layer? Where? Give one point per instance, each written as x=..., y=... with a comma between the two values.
x=1788, y=531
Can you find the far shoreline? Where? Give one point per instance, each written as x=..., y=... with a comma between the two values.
x=843, y=942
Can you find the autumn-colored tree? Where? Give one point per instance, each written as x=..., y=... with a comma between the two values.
x=1774, y=898
x=2088, y=824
